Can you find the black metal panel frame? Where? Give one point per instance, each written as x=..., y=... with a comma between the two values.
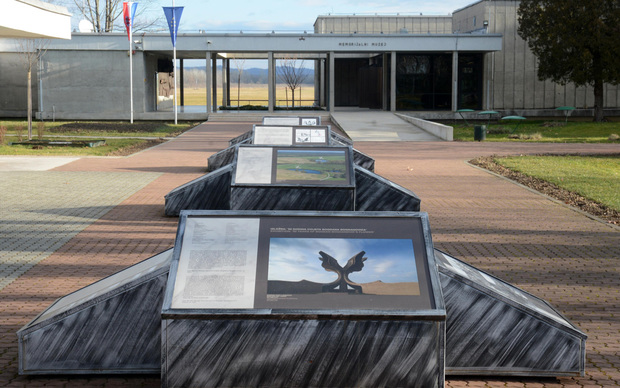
x=435, y=285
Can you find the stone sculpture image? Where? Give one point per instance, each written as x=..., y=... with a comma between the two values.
x=342, y=284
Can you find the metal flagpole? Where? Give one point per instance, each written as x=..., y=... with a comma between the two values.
x=129, y=8
x=172, y=16
x=174, y=61
x=131, y=72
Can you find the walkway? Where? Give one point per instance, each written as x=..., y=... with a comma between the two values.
x=374, y=125
x=542, y=246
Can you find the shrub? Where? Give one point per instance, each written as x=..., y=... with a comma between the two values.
x=613, y=137
x=20, y=132
x=40, y=129
x=498, y=130
x=244, y=107
x=551, y=124
x=533, y=136
x=525, y=136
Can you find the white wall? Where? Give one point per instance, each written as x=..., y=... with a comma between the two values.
x=34, y=19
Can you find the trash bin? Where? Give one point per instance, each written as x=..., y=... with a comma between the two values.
x=480, y=132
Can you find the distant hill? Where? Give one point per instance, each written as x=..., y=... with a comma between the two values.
x=196, y=74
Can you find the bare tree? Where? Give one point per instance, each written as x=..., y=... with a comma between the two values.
x=32, y=50
x=293, y=73
x=193, y=77
x=239, y=64
x=106, y=15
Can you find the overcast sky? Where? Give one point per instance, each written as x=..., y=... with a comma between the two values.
x=296, y=15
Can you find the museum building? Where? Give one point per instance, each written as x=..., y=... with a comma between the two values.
x=432, y=65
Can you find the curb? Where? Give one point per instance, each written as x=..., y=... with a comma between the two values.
x=557, y=201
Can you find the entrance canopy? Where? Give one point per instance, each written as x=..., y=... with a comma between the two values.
x=34, y=19
x=256, y=46
x=376, y=71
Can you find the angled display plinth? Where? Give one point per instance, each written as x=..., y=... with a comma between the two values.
x=210, y=191
x=111, y=326
x=363, y=160
x=375, y=193
x=224, y=157
x=494, y=328
x=303, y=299
x=241, y=139
x=340, y=140
x=293, y=178
x=218, y=190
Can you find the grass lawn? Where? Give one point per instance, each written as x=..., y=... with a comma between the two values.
x=543, y=131
x=251, y=95
x=594, y=177
x=122, y=138
x=112, y=147
x=95, y=129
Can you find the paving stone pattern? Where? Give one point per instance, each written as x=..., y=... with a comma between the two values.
x=41, y=211
x=524, y=238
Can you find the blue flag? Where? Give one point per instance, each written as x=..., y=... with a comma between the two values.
x=173, y=15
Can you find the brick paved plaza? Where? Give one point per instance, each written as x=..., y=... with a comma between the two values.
x=66, y=228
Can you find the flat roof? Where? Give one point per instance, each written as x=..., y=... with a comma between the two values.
x=195, y=45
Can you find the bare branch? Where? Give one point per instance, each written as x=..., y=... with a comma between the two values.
x=293, y=73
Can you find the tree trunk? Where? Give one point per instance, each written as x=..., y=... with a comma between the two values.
x=292, y=98
x=29, y=94
x=238, y=89
x=598, y=101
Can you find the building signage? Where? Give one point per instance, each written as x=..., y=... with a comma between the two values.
x=362, y=44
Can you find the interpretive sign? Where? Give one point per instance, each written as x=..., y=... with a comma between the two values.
x=293, y=178
x=291, y=120
x=318, y=166
x=273, y=135
x=290, y=135
x=302, y=262
x=217, y=267
x=267, y=298
x=311, y=135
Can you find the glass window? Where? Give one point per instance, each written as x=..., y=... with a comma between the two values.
x=470, y=81
x=423, y=81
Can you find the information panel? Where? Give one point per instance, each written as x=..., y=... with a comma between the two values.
x=311, y=135
x=292, y=120
x=290, y=135
x=217, y=264
x=273, y=135
x=302, y=262
x=315, y=166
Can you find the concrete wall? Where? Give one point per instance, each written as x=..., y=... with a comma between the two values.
x=510, y=74
x=79, y=83
x=352, y=24
x=444, y=132
x=13, y=90
x=91, y=84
